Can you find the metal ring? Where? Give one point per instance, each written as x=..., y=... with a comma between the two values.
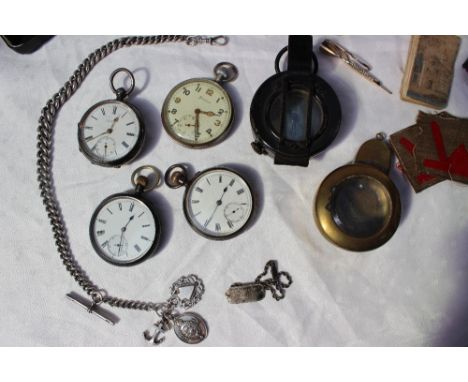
x=225, y=72
x=283, y=51
x=219, y=40
x=153, y=170
x=187, y=281
x=381, y=136
x=176, y=176
x=161, y=309
x=132, y=82
x=287, y=276
x=216, y=40
x=97, y=297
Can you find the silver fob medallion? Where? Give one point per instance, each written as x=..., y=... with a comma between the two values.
x=190, y=327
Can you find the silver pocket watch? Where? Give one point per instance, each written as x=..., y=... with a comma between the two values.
x=111, y=132
x=125, y=227
x=198, y=112
x=218, y=202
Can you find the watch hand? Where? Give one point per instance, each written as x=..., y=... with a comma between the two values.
x=197, y=123
x=120, y=243
x=129, y=220
x=105, y=149
x=108, y=131
x=208, y=113
x=116, y=119
x=222, y=196
x=234, y=211
x=212, y=215
x=218, y=203
x=124, y=228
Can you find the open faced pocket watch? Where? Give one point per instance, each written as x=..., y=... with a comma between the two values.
x=111, y=132
x=125, y=227
x=357, y=206
x=218, y=202
x=198, y=112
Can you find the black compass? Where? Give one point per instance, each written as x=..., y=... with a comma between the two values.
x=295, y=114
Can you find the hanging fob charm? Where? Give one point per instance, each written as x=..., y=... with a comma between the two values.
x=218, y=202
x=255, y=291
x=125, y=227
x=189, y=327
x=198, y=112
x=295, y=114
x=111, y=132
x=357, y=206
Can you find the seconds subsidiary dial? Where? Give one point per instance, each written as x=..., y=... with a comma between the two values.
x=198, y=112
x=123, y=230
x=218, y=202
x=125, y=227
x=111, y=132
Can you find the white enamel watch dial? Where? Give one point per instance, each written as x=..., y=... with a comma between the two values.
x=110, y=133
x=124, y=229
x=198, y=112
x=218, y=203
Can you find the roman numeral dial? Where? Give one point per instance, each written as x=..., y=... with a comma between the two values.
x=110, y=133
x=124, y=229
x=223, y=207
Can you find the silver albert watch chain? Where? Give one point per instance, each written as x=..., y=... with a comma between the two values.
x=189, y=327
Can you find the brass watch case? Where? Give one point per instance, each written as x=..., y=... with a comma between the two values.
x=381, y=215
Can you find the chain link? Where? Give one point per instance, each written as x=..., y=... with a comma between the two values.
x=44, y=160
x=275, y=285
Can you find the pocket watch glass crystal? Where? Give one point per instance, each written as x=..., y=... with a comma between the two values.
x=357, y=206
x=109, y=132
x=218, y=203
x=294, y=117
x=198, y=112
x=124, y=229
x=360, y=206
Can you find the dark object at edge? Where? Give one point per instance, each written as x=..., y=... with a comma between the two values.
x=25, y=44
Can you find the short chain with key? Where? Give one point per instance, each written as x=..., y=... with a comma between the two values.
x=255, y=291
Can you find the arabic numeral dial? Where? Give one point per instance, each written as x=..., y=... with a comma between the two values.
x=197, y=112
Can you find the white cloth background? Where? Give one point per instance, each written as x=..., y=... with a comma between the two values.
x=411, y=291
